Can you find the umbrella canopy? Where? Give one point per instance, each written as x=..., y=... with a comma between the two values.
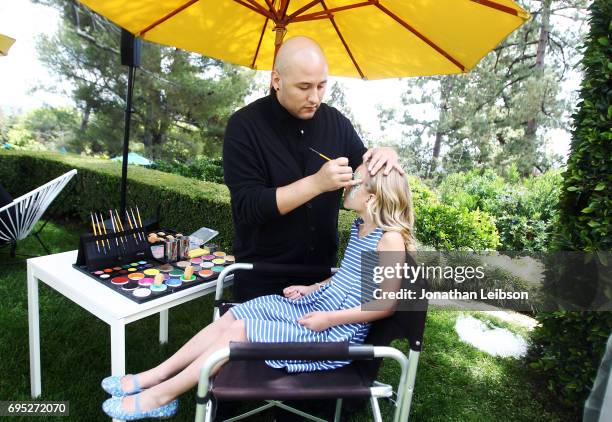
x=371, y=39
x=135, y=158
x=5, y=44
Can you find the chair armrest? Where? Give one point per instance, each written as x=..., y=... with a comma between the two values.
x=299, y=351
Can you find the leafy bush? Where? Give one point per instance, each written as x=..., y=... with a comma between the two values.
x=524, y=211
x=568, y=346
x=201, y=168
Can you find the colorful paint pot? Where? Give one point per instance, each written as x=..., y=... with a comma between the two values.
x=208, y=257
x=107, y=270
x=217, y=268
x=141, y=292
x=142, y=262
x=230, y=259
x=207, y=265
x=166, y=268
x=147, y=281
x=218, y=261
x=148, y=265
x=176, y=273
x=183, y=264
x=123, y=271
x=119, y=280
x=126, y=266
x=116, y=268
x=192, y=278
x=174, y=282
x=158, y=289
x=136, y=276
x=131, y=269
x=99, y=272
x=151, y=271
x=132, y=285
x=219, y=254
x=105, y=276
x=134, y=264
x=196, y=261
x=206, y=273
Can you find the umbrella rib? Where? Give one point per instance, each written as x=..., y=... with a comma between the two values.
x=303, y=9
x=167, y=16
x=263, y=30
x=268, y=13
x=271, y=8
x=421, y=36
x=348, y=50
x=260, y=10
x=324, y=14
x=499, y=7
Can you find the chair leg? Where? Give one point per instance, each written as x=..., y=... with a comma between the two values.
x=41, y=242
x=377, y=417
x=338, y=413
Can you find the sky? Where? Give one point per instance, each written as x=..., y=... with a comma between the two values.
x=21, y=73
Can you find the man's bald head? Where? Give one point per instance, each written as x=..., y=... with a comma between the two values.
x=298, y=51
x=299, y=76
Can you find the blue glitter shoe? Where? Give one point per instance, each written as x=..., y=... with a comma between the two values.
x=112, y=407
x=112, y=385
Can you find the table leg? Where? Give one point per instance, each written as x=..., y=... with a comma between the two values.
x=34, y=335
x=163, y=326
x=118, y=348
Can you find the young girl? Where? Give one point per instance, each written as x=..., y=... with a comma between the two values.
x=326, y=311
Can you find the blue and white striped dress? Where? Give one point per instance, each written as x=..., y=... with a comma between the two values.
x=274, y=318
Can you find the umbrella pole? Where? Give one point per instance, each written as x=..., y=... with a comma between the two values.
x=126, y=135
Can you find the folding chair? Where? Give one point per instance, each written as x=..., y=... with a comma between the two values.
x=18, y=218
x=245, y=376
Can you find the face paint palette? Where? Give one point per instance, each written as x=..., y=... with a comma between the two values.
x=136, y=280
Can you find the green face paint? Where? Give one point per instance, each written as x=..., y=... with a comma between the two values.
x=355, y=189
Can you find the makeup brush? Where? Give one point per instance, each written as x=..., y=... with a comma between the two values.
x=131, y=226
x=325, y=157
x=94, y=231
x=121, y=229
x=139, y=220
x=319, y=154
x=113, y=226
x=100, y=232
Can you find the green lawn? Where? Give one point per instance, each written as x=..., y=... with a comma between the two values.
x=455, y=382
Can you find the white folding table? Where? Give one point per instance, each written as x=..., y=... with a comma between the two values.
x=110, y=306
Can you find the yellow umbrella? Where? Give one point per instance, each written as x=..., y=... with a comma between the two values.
x=5, y=44
x=370, y=39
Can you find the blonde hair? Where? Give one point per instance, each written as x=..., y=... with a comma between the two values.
x=391, y=209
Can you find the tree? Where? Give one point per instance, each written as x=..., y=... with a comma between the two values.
x=568, y=346
x=181, y=100
x=496, y=115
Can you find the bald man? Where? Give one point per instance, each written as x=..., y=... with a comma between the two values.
x=285, y=197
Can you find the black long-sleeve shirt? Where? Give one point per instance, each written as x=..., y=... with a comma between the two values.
x=265, y=147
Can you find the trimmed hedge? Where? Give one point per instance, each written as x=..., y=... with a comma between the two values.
x=185, y=204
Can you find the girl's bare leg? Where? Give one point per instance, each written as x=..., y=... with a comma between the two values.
x=184, y=356
x=168, y=390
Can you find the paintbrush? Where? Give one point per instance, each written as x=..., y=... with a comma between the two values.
x=139, y=220
x=100, y=232
x=119, y=228
x=319, y=154
x=326, y=158
x=113, y=226
x=131, y=226
x=94, y=231
x=120, y=225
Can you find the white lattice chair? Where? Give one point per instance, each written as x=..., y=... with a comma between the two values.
x=18, y=218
